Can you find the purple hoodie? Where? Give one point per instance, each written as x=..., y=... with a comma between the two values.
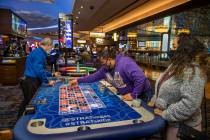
x=128, y=78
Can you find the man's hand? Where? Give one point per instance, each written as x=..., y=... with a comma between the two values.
x=56, y=74
x=73, y=82
x=151, y=104
x=158, y=112
x=127, y=97
x=51, y=83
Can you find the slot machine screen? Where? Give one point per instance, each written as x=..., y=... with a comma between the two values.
x=1, y=40
x=18, y=25
x=141, y=44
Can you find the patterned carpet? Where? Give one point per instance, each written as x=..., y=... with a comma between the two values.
x=10, y=100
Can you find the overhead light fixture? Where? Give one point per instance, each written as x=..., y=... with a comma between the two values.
x=79, y=12
x=97, y=35
x=77, y=17
x=40, y=28
x=132, y=34
x=81, y=6
x=81, y=41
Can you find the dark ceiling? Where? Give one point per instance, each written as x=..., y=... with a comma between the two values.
x=90, y=13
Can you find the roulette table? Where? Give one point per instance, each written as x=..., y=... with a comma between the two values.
x=90, y=111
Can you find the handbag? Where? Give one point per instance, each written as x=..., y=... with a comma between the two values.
x=186, y=132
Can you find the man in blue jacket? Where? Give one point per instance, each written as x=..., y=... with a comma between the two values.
x=124, y=74
x=35, y=72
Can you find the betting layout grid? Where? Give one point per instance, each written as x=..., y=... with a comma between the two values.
x=78, y=99
x=115, y=109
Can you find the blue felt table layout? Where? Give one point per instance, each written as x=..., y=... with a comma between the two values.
x=113, y=110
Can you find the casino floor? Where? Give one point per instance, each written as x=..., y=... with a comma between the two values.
x=80, y=30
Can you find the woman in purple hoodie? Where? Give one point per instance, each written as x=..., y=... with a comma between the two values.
x=124, y=74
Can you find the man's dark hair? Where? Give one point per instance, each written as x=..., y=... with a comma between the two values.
x=107, y=54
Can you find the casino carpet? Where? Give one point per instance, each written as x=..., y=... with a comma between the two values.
x=10, y=100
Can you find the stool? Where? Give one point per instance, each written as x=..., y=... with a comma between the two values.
x=6, y=134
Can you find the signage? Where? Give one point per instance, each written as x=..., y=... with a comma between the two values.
x=18, y=25
x=97, y=35
x=99, y=40
x=141, y=44
x=164, y=46
x=68, y=34
x=65, y=31
x=115, y=36
x=81, y=41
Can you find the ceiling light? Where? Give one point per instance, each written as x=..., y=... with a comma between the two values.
x=77, y=17
x=79, y=12
x=81, y=6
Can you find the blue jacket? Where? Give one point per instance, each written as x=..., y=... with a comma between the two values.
x=35, y=65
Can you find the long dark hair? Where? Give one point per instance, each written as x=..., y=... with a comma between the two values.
x=189, y=50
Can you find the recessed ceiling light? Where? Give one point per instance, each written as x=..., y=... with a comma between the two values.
x=77, y=17
x=81, y=6
x=79, y=12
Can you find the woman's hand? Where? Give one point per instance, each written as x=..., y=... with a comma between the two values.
x=151, y=104
x=158, y=111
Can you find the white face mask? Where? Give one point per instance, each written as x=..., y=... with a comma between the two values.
x=48, y=52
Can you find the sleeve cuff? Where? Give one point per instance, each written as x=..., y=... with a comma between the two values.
x=164, y=115
x=46, y=81
x=161, y=104
x=134, y=95
x=79, y=80
x=49, y=74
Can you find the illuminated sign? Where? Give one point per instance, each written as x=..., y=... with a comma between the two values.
x=18, y=25
x=81, y=41
x=97, y=35
x=99, y=40
x=158, y=29
x=141, y=44
x=130, y=34
x=161, y=29
x=164, y=47
x=68, y=34
x=1, y=40
x=65, y=31
x=187, y=31
x=115, y=36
